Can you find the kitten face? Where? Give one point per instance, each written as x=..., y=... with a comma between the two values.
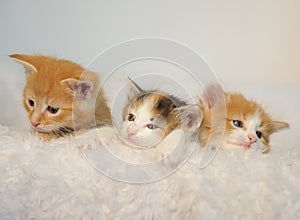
x=145, y=124
x=57, y=96
x=246, y=123
x=244, y=132
x=150, y=116
x=48, y=111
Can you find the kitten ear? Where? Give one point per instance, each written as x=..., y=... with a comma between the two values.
x=26, y=61
x=80, y=89
x=135, y=89
x=279, y=125
x=212, y=95
x=134, y=85
x=191, y=117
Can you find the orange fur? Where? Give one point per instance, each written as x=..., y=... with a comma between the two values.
x=218, y=120
x=48, y=83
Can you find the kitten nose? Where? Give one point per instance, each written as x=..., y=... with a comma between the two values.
x=35, y=123
x=132, y=131
x=252, y=139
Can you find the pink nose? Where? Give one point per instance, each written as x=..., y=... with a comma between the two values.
x=35, y=123
x=252, y=139
x=132, y=130
x=131, y=133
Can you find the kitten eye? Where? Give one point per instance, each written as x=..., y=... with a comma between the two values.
x=258, y=134
x=151, y=126
x=237, y=123
x=131, y=117
x=31, y=102
x=52, y=110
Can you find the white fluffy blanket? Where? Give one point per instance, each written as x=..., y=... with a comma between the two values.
x=56, y=181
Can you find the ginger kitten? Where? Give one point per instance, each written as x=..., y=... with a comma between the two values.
x=240, y=122
x=150, y=116
x=61, y=97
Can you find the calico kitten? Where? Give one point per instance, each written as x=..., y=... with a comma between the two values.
x=235, y=121
x=61, y=97
x=150, y=116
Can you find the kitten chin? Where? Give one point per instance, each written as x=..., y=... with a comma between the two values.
x=61, y=97
x=231, y=121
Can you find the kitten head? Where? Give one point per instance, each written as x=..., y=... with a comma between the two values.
x=149, y=116
x=51, y=86
x=246, y=123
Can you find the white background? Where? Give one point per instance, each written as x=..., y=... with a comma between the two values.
x=249, y=43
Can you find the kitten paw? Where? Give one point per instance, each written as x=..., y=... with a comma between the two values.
x=85, y=147
x=103, y=141
x=95, y=138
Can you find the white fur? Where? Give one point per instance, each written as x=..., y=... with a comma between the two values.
x=53, y=180
x=238, y=137
x=144, y=137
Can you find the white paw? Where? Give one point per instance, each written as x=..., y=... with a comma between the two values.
x=95, y=138
x=86, y=147
x=163, y=151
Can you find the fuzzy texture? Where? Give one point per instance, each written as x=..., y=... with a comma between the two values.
x=61, y=96
x=53, y=180
x=149, y=116
x=232, y=121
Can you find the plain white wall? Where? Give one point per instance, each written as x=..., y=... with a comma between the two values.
x=249, y=42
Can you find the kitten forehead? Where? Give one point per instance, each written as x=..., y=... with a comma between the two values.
x=152, y=108
x=253, y=122
x=238, y=106
x=157, y=103
x=143, y=112
x=256, y=116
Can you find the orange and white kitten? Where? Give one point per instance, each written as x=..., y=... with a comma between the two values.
x=150, y=116
x=61, y=97
x=232, y=121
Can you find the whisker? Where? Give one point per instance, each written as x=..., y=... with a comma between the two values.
x=62, y=131
x=239, y=137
